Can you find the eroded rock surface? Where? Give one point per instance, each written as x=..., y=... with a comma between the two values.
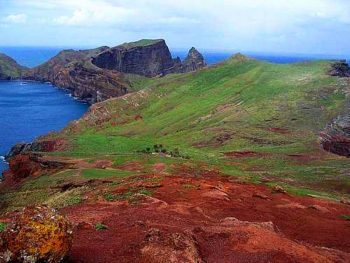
x=340, y=69
x=336, y=137
x=37, y=234
x=97, y=74
x=148, y=58
x=73, y=70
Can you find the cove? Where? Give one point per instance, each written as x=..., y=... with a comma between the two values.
x=32, y=109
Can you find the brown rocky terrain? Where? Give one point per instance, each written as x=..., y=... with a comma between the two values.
x=200, y=216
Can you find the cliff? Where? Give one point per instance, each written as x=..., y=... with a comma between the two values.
x=97, y=74
x=147, y=57
x=335, y=138
x=193, y=61
x=9, y=68
x=72, y=70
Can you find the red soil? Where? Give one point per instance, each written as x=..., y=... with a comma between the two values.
x=279, y=130
x=210, y=219
x=244, y=154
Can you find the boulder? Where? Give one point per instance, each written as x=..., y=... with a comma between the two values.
x=340, y=69
x=37, y=234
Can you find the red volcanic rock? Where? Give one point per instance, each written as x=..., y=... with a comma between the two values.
x=23, y=166
x=37, y=234
x=336, y=143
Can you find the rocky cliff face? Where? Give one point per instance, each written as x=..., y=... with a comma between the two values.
x=149, y=58
x=97, y=74
x=340, y=69
x=193, y=61
x=73, y=70
x=146, y=57
x=336, y=136
x=9, y=68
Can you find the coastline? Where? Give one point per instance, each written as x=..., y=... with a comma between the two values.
x=58, y=104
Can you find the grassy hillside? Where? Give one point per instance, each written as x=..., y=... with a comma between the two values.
x=247, y=118
x=9, y=68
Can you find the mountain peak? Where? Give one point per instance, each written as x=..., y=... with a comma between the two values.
x=239, y=57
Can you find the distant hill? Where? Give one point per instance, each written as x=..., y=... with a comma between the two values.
x=9, y=68
x=98, y=74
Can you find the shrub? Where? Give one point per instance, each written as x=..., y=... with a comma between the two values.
x=346, y=217
x=146, y=192
x=109, y=197
x=2, y=226
x=99, y=226
x=73, y=200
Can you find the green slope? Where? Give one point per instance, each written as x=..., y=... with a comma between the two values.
x=272, y=113
x=9, y=68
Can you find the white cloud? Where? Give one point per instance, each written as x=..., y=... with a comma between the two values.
x=16, y=19
x=231, y=24
x=91, y=15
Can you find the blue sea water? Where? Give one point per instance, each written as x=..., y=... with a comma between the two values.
x=31, y=109
x=213, y=57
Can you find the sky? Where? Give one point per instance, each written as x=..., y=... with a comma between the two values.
x=270, y=26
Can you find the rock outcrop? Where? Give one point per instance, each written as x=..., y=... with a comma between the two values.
x=336, y=137
x=37, y=234
x=340, y=69
x=73, y=70
x=9, y=68
x=148, y=58
x=36, y=146
x=193, y=61
x=97, y=74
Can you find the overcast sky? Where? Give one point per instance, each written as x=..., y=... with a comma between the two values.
x=281, y=26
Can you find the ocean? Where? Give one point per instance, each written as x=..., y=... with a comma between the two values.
x=33, y=56
x=31, y=109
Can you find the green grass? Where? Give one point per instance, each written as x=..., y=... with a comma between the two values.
x=140, y=43
x=73, y=200
x=2, y=226
x=130, y=196
x=9, y=67
x=346, y=217
x=104, y=173
x=238, y=105
x=99, y=226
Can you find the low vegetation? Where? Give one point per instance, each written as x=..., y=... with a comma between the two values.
x=346, y=217
x=247, y=118
x=99, y=226
x=2, y=226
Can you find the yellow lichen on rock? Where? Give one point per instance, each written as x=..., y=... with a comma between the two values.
x=37, y=234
